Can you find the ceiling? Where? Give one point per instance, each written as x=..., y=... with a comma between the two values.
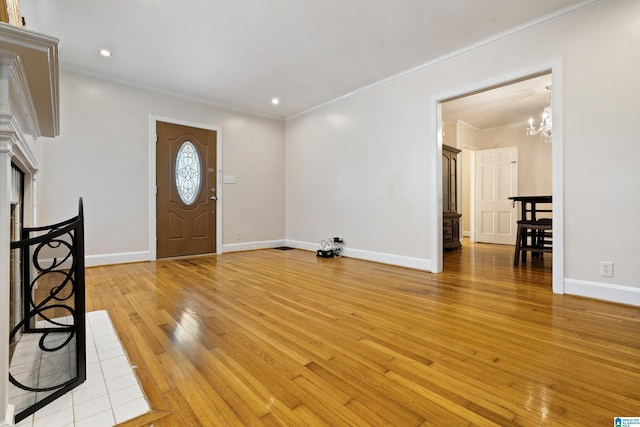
x=242, y=53
x=502, y=106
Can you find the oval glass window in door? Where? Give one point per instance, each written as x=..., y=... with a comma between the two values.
x=188, y=172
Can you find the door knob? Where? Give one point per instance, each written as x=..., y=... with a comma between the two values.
x=214, y=198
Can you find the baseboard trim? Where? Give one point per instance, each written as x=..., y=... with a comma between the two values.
x=604, y=291
x=384, y=258
x=251, y=246
x=127, y=257
x=121, y=258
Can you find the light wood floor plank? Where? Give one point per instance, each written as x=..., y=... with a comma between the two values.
x=281, y=338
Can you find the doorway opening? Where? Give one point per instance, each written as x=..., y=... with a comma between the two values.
x=502, y=108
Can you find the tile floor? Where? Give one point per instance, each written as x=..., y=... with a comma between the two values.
x=110, y=395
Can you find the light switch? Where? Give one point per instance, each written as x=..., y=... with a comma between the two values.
x=229, y=179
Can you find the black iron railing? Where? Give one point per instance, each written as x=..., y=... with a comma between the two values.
x=50, y=357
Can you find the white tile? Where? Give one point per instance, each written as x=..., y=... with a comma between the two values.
x=54, y=380
x=57, y=339
x=110, y=394
x=110, y=354
x=99, y=316
x=114, y=362
x=25, y=365
x=126, y=395
x=117, y=371
x=23, y=402
x=102, y=333
x=107, y=333
x=60, y=404
x=17, y=391
x=103, y=419
x=26, y=378
x=91, y=407
x=107, y=338
x=103, y=330
x=102, y=327
x=55, y=368
x=93, y=368
x=121, y=383
x=93, y=379
x=131, y=410
x=28, y=338
x=81, y=395
x=41, y=395
x=60, y=418
x=57, y=357
x=107, y=345
x=92, y=355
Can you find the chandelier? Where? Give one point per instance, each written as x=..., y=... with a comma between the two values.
x=545, y=127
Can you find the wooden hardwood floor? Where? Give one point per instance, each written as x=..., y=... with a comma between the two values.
x=275, y=337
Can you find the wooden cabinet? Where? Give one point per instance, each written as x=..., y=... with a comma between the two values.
x=451, y=217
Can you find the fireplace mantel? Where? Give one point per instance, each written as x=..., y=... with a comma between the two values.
x=29, y=108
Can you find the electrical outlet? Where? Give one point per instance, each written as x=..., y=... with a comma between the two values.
x=606, y=269
x=237, y=236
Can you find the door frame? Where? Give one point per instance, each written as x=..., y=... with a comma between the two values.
x=153, y=119
x=435, y=149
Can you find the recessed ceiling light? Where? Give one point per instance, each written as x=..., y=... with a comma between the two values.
x=105, y=52
x=275, y=101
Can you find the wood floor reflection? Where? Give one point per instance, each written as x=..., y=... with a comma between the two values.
x=283, y=338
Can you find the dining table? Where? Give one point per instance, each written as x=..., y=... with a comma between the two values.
x=529, y=209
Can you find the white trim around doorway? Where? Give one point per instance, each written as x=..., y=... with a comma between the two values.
x=153, y=119
x=435, y=147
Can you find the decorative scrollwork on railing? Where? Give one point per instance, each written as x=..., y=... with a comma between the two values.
x=53, y=307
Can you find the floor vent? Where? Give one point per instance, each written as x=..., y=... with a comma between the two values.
x=284, y=248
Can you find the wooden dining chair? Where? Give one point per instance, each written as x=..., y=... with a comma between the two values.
x=533, y=236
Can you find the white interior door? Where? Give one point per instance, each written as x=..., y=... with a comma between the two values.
x=496, y=181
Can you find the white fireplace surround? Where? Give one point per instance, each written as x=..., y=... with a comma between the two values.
x=29, y=108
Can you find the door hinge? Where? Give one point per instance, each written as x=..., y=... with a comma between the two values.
x=156, y=138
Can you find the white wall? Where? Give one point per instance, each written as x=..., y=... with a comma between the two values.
x=102, y=154
x=534, y=161
x=353, y=170
x=534, y=157
x=360, y=166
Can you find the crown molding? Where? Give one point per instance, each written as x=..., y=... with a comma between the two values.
x=34, y=60
x=514, y=30
x=153, y=89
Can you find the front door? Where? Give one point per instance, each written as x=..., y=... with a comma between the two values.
x=186, y=190
x=496, y=181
